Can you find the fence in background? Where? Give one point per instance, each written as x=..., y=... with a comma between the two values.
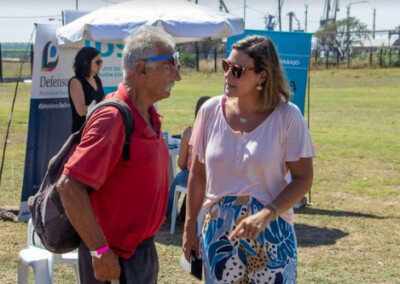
x=10, y=63
x=192, y=57
x=195, y=58
x=372, y=57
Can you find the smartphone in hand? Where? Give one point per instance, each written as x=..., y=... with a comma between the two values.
x=196, y=266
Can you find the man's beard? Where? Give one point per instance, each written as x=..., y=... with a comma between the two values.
x=170, y=86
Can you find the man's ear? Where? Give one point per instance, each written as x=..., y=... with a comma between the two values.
x=140, y=68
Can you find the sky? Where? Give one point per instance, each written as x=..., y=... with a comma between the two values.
x=17, y=17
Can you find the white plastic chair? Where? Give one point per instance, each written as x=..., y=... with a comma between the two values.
x=41, y=260
x=68, y=258
x=178, y=190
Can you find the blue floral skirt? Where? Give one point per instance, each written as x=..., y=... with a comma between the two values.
x=271, y=258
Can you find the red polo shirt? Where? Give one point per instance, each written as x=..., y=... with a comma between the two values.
x=129, y=197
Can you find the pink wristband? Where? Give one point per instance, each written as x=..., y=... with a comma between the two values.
x=100, y=251
x=103, y=249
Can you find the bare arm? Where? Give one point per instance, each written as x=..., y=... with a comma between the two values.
x=78, y=96
x=194, y=202
x=302, y=177
x=79, y=210
x=183, y=149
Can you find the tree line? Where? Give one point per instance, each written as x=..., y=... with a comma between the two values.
x=343, y=35
x=14, y=45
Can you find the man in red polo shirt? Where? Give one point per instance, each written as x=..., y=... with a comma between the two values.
x=117, y=206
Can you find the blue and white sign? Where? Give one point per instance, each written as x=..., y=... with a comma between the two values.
x=294, y=50
x=50, y=113
x=111, y=70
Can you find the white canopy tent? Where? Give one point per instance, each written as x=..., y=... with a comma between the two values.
x=184, y=20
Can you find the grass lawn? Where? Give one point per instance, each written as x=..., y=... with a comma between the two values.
x=349, y=233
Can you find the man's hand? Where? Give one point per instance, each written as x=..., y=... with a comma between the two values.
x=107, y=267
x=251, y=226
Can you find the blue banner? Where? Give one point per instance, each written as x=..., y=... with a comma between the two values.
x=294, y=50
x=49, y=126
x=50, y=116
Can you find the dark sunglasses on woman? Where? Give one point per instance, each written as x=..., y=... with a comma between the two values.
x=237, y=70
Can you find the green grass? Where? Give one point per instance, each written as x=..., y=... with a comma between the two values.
x=356, y=126
x=351, y=231
x=178, y=110
x=11, y=180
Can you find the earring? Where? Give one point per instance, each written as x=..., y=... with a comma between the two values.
x=259, y=87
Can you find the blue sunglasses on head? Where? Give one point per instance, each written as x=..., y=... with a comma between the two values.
x=175, y=56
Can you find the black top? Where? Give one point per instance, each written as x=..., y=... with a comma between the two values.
x=90, y=94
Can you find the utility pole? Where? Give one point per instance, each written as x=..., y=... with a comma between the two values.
x=222, y=6
x=305, y=20
x=279, y=14
x=348, y=29
x=373, y=24
x=291, y=14
x=76, y=5
x=244, y=13
x=348, y=35
x=196, y=46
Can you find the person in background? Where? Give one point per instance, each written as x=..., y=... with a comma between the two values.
x=118, y=206
x=86, y=85
x=184, y=163
x=252, y=161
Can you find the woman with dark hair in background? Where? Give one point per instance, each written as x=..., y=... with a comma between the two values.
x=85, y=86
x=252, y=161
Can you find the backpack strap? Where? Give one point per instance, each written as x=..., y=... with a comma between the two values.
x=129, y=123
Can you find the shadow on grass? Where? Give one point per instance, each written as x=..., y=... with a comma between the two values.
x=164, y=237
x=336, y=213
x=307, y=236
x=311, y=236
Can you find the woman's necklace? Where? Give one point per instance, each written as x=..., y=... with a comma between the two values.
x=246, y=119
x=242, y=119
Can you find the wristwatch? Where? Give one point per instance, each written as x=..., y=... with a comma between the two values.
x=98, y=253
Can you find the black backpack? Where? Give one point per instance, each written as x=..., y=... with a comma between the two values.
x=47, y=212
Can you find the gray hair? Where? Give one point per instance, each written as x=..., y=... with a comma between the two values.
x=144, y=43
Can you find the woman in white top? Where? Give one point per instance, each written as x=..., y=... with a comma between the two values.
x=252, y=161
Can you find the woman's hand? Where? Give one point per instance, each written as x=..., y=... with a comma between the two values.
x=251, y=226
x=194, y=201
x=190, y=241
